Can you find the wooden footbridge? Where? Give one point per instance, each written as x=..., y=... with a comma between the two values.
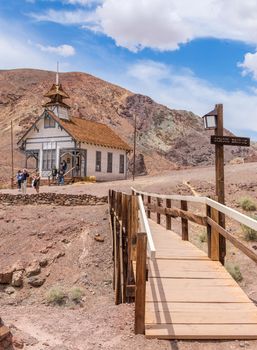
x=180, y=292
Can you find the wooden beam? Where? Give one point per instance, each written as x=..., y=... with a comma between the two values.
x=215, y=241
x=140, y=283
x=158, y=213
x=149, y=211
x=168, y=217
x=175, y=212
x=184, y=221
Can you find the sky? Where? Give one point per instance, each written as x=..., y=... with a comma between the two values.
x=185, y=54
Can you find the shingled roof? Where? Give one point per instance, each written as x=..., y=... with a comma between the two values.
x=88, y=131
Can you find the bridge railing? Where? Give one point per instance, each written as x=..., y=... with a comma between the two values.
x=160, y=204
x=131, y=240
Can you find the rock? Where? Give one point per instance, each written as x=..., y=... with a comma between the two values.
x=59, y=255
x=18, y=343
x=33, y=270
x=9, y=290
x=36, y=281
x=18, y=266
x=4, y=332
x=43, y=262
x=6, y=276
x=99, y=238
x=44, y=251
x=17, y=279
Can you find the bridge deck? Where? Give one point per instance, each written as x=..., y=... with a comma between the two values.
x=188, y=296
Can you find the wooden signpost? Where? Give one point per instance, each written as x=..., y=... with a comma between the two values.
x=230, y=141
x=219, y=140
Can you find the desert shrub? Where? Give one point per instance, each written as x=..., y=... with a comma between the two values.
x=203, y=237
x=56, y=296
x=249, y=233
x=76, y=294
x=235, y=272
x=247, y=204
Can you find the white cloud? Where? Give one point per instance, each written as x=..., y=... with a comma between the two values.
x=20, y=52
x=249, y=65
x=82, y=2
x=164, y=24
x=65, y=17
x=183, y=90
x=62, y=50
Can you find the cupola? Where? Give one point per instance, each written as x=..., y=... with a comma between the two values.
x=57, y=96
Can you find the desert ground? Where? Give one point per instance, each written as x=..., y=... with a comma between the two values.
x=78, y=267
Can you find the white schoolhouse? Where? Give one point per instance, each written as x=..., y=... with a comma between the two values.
x=89, y=148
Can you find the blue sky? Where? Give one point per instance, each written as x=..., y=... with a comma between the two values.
x=186, y=57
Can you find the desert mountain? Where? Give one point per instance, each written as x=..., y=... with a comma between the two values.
x=166, y=138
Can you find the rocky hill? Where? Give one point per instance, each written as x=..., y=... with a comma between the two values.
x=166, y=138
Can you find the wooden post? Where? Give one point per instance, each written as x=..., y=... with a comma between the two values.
x=148, y=210
x=208, y=227
x=168, y=217
x=158, y=214
x=134, y=148
x=184, y=222
x=134, y=225
x=12, y=178
x=129, y=234
x=140, y=283
x=213, y=235
x=220, y=187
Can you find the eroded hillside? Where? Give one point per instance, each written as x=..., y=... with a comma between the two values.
x=167, y=138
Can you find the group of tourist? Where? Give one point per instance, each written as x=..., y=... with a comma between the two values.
x=23, y=175
x=22, y=180
x=58, y=174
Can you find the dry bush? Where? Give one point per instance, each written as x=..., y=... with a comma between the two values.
x=247, y=204
x=235, y=272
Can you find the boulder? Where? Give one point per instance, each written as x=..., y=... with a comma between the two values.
x=17, y=279
x=36, y=281
x=6, y=276
x=33, y=270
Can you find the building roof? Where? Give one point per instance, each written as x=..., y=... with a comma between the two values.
x=88, y=131
x=56, y=90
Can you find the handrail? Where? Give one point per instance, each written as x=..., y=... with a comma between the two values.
x=231, y=213
x=69, y=171
x=150, y=243
x=174, y=197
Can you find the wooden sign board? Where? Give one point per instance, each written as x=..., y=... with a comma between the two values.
x=230, y=141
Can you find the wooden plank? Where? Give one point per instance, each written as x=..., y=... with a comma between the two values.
x=201, y=313
x=183, y=269
x=202, y=331
x=191, y=283
x=194, y=292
